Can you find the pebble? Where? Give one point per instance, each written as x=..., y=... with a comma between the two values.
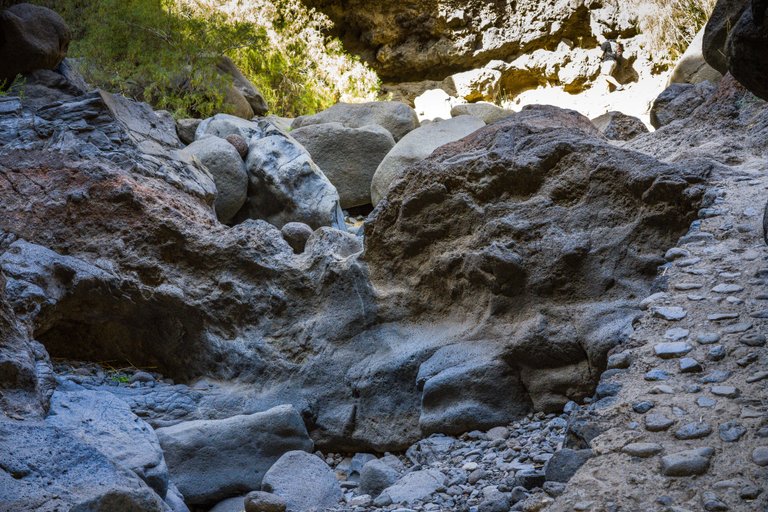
x=760, y=456
x=676, y=253
x=676, y=334
x=619, y=361
x=747, y=360
x=672, y=349
x=643, y=407
x=687, y=463
x=757, y=377
x=725, y=391
x=657, y=422
x=656, y=297
x=762, y=314
x=709, y=338
x=754, y=339
x=706, y=402
x=719, y=317
x=711, y=502
x=696, y=430
x=662, y=389
x=716, y=377
x=689, y=365
x=671, y=313
x=688, y=262
x=684, y=287
x=728, y=288
x=737, y=328
x=642, y=450
x=656, y=375
x=731, y=431
x=716, y=353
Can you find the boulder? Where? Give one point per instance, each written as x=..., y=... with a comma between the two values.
x=258, y=501
x=304, y=481
x=226, y=166
x=564, y=464
x=242, y=91
x=678, y=101
x=210, y=460
x=376, y=476
x=692, y=68
x=476, y=222
x=745, y=50
x=488, y=112
x=476, y=85
x=347, y=156
x=396, y=117
x=415, y=486
x=33, y=37
x=106, y=423
x=68, y=474
x=617, y=126
x=285, y=185
x=415, y=147
x=224, y=125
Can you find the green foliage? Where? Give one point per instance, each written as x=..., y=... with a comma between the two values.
x=165, y=52
x=15, y=87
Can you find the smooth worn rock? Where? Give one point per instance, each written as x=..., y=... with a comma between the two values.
x=671, y=313
x=415, y=486
x=212, y=459
x=488, y=112
x=415, y=147
x=746, y=60
x=689, y=365
x=642, y=450
x=376, y=476
x=564, y=464
x=296, y=234
x=760, y=455
x=304, y=481
x=226, y=166
x=672, y=349
x=285, y=185
x=687, y=463
x=696, y=430
x=398, y=118
x=259, y=501
x=34, y=37
x=657, y=422
x=731, y=431
x=347, y=156
x=618, y=126
x=229, y=505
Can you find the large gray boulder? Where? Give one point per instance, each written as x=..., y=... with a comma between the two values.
x=396, y=117
x=228, y=171
x=223, y=125
x=210, y=460
x=304, y=481
x=416, y=146
x=106, y=423
x=285, y=185
x=48, y=469
x=347, y=156
x=678, y=101
x=33, y=37
x=692, y=68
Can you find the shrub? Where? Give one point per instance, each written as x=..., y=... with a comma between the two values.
x=671, y=25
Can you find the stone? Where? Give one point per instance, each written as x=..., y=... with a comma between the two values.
x=643, y=407
x=415, y=486
x=760, y=456
x=186, y=129
x=642, y=450
x=235, y=504
x=242, y=88
x=239, y=143
x=415, y=147
x=224, y=125
x=716, y=353
x=376, y=476
x=656, y=375
x=672, y=349
x=737, y=328
x=725, y=391
x=488, y=112
x=226, y=166
x=480, y=84
x=285, y=185
x=564, y=464
x=754, y=339
x=304, y=481
x=712, y=503
x=676, y=334
x=722, y=20
x=678, y=101
x=34, y=37
x=211, y=459
x=296, y=234
x=530, y=478
x=728, y=288
x=689, y=365
x=687, y=463
x=696, y=430
x=621, y=360
x=692, y=67
x=657, y=422
x=648, y=301
x=259, y=501
x=716, y=377
x=672, y=313
x=719, y=317
x=743, y=50
x=618, y=126
x=731, y=431
x=347, y=156
x=708, y=338
x=398, y=118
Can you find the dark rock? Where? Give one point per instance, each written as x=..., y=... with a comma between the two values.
x=687, y=463
x=642, y=407
x=296, y=234
x=239, y=143
x=723, y=19
x=564, y=464
x=33, y=37
x=618, y=126
x=376, y=476
x=745, y=55
x=530, y=478
x=731, y=431
x=695, y=430
x=678, y=101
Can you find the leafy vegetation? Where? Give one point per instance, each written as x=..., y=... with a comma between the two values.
x=165, y=52
x=671, y=25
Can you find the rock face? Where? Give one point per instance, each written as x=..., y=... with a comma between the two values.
x=285, y=185
x=33, y=37
x=678, y=101
x=396, y=117
x=417, y=146
x=215, y=459
x=430, y=40
x=347, y=156
x=539, y=177
x=226, y=166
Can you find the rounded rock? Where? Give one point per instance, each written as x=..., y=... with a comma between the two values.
x=259, y=501
x=296, y=234
x=239, y=143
